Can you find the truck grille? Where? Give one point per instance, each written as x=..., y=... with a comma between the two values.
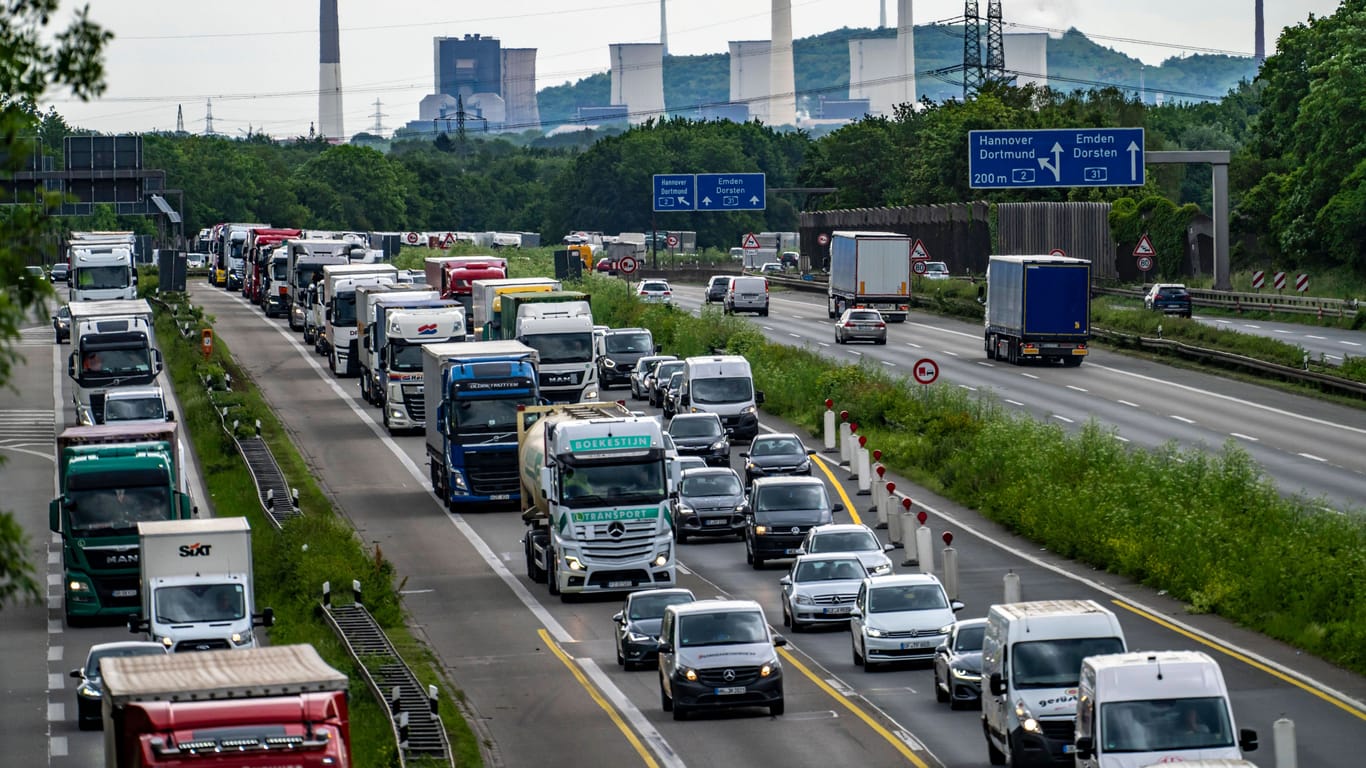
x=119, y=558
x=560, y=378
x=614, y=542
x=125, y=585
x=492, y=472
x=414, y=403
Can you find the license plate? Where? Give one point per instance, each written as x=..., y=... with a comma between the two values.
x=500, y=497
x=789, y=551
x=715, y=521
x=730, y=691
x=836, y=609
x=1068, y=748
x=910, y=644
x=620, y=584
x=125, y=593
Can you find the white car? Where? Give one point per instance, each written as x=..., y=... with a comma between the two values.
x=820, y=589
x=853, y=539
x=196, y=260
x=654, y=292
x=936, y=270
x=900, y=618
x=771, y=268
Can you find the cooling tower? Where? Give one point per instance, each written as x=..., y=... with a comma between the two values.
x=329, y=73
x=1027, y=53
x=873, y=74
x=905, y=52
x=749, y=61
x=519, y=88
x=782, y=88
x=638, y=79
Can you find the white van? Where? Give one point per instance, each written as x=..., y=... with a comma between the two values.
x=1031, y=665
x=1138, y=709
x=723, y=385
x=747, y=294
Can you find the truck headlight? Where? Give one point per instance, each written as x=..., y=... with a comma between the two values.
x=685, y=511
x=748, y=409
x=78, y=586
x=662, y=559
x=573, y=563
x=239, y=639
x=166, y=641
x=458, y=482
x=590, y=394
x=397, y=413
x=1026, y=718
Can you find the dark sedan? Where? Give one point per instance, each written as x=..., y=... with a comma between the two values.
x=958, y=665
x=671, y=391
x=776, y=454
x=89, y=694
x=701, y=434
x=1169, y=299
x=710, y=502
x=716, y=288
x=638, y=624
x=659, y=381
x=61, y=324
x=59, y=272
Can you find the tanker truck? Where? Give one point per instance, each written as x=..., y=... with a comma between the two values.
x=595, y=499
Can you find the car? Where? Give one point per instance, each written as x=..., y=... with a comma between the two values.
x=685, y=463
x=747, y=293
x=90, y=693
x=936, y=270
x=61, y=323
x=659, y=380
x=654, y=292
x=737, y=254
x=639, y=380
x=958, y=665
x=710, y=502
x=1169, y=299
x=860, y=324
x=851, y=539
x=234, y=280
x=774, y=454
x=771, y=268
x=638, y=624
x=59, y=272
x=607, y=266
x=196, y=260
x=778, y=513
x=701, y=434
x=716, y=288
x=38, y=273
x=671, y=390
x=790, y=260
x=621, y=349
x=820, y=589
x=902, y=617
x=719, y=654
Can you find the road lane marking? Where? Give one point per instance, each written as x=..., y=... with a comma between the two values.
x=985, y=364
x=1029, y=376
x=795, y=335
x=950, y=353
x=1312, y=457
x=1076, y=388
x=823, y=344
x=1316, y=338
x=839, y=488
x=1182, y=419
x=1126, y=402
x=56, y=681
x=55, y=652
x=967, y=387
x=1350, y=343
x=56, y=711
x=889, y=363
x=1121, y=439
x=1015, y=402
x=915, y=346
x=1062, y=418
x=1244, y=437
x=58, y=747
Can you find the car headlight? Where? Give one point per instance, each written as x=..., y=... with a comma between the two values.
x=805, y=466
x=882, y=570
x=87, y=691
x=966, y=674
x=720, y=445
x=748, y=409
x=167, y=641
x=688, y=674
x=684, y=510
x=770, y=668
x=944, y=630
x=636, y=638
x=760, y=530
x=240, y=639
x=872, y=631
x=805, y=600
x=755, y=468
x=608, y=362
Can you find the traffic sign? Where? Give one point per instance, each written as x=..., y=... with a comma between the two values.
x=750, y=242
x=1060, y=253
x=919, y=252
x=925, y=371
x=823, y=239
x=1258, y=279
x=1145, y=246
x=1279, y=280
x=671, y=241
x=919, y=266
x=1056, y=157
x=1302, y=283
x=675, y=192
x=627, y=265
x=411, y=238
x=1145, y=263
x=731, y=192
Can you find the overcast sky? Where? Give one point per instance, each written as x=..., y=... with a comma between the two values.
x=257, y=59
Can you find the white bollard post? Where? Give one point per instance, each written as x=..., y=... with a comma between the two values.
x=910, y=534
x=894, y=519
x=950, y=567
x=886, y=510
x=845, y=440
x=865, y=472
x=879, y=487
x=924, y=546
x=829, y=426
x=1283, y=736
x=1012, y=588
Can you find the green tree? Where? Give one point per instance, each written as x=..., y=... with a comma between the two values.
x=32, y=61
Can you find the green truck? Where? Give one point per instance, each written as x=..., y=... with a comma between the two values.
x=111, y=477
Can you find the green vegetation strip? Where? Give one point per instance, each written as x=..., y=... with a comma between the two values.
x=1210, y=528
x=318, y=546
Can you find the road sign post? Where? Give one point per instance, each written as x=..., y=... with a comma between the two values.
x=731, y=192
x=1056, y=157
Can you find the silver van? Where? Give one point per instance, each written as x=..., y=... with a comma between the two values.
x=747, y=294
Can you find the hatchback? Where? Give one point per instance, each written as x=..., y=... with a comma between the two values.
x=900, y=618
x=638, y=624
x=654, y=292
x=671, y=392
x=59, y=272
x=61, y=323
x=936, y=270
x=861, y=325
x=820, y=589
x=710, y=502
x=658, y=383
x=716, y=288
x=775, y=454
x=958, y=665
x=1169, y=299
x=640, y=377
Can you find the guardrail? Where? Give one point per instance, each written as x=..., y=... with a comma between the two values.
x=1261, y=302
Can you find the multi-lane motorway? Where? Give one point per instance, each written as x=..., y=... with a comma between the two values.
x=540, y=675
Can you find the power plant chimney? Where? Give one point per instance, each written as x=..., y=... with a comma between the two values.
x=1259, y=32
x=663, y=27
x=782, y=86
x=905, y=52
x=329, y=73
x=882, y=15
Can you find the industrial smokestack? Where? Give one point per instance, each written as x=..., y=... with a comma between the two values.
x=1259, y=32
x=663, y=28
x=782, y=87
x=905, y=51
x=329, y=73
x=882, y=15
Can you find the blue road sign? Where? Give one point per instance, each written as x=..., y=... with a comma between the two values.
x=675, y=192
x=1055, y=157
x=731, y=192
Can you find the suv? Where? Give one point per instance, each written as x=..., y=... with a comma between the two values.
x=658, y=385
x=1169, y=299
x=716, y=288
x=780, y=453
x=621, y=349
x=701, y=434
x=851, y=539
x=709, y=503
x=899, y=618
x=654, y=292
x=778, y=513
x=718, y=654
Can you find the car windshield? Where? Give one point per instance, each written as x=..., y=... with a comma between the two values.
x=561, y=347
x=722, y=484
x=92, y=662
x=1165, y=725
x=405, y=357
x=605, y=484
x=101, y=277
x=140, y=409
x=732, y=389
x=721, y=628
x=704, y=427
x=909, y=597
x=969, y=639
x=626, y=343
x=652, y=606
x=676, y=380
x=1056, y=663
x=792, y=497
x=777, y=446
x=667, y=369
x=193, y=603
x=845, y=541
x=830, y=570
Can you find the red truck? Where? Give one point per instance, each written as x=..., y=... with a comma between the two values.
x=260, y=241
x=454, y=277
x=256, y=708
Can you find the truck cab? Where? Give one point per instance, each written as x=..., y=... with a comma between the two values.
x=112, y=345
x=335, y=311
x=398, y=336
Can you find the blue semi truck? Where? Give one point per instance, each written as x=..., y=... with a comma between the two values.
x=1038, y=308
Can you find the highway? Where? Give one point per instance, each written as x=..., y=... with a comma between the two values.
x=1331, y=345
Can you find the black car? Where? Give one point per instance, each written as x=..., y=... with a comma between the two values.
x=701, y=434
x=622, y=347
x=958, y=665
x=659, y=382
x=235, y=279
x=776, y=454
x=1169, y=299
x=710, y=502
x=61, y=324
x=671, y=391
x=716, y=288
x=638, y=623
x=89, y=707
x=778, y=513
x=59, y=272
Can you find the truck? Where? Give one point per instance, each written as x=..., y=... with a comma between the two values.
x=399, y=334
x=275, y=291
x=110, y=478
x=486, y=302
x=112, y=345
x=101, y=266
x=870, y=269
x=134, y=405
x=454, y=277
x=595, y=494
x=305, y=274
x=471, y=395
x=1037, y=308
x=229, y=254
x=558, y=325
x=196, y=585
x=335, y=311
x=369, y=299
x=275, y=706
x=260, y=242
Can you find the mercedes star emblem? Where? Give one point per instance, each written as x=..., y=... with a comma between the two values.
x=728, y=675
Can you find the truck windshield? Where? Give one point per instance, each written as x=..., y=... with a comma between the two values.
x=1165, y=725
x=106, y=364
x=561, y=347
x=344, y=309
x=279, y=270
x=194, y=603
x=596, y=485
x=114, y=511
x=1056, y=663
x=486, y=416
x=405, y=357
x=733, y=389
x=629, y=343
x=101, y=277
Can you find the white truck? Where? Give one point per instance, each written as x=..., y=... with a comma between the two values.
x=369, y=298
x=112, y=345
x=399, y=336
x=595, y=499
x=336, y=311
x=559, y=326
x=101, y=265
x=196, y=585
x=870, y=269
x=486, y=306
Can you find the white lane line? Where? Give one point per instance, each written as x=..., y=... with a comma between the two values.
x=55, y=652
x=683, y=569
x=54, y=626
x=56, y=681
x=1350, y=343
x=642, y=726
x=1312, y=457
x=768, y=327
x=1029, y=376
x=985, y=364
x=1122, y=439
x=1242, y=436
x=1063, y=418
x=795, y=335
x=950, y=353
x=1316, y=338
x=57, y=747
x=855, y=352
x=1250, y=325
x=916, y=346
x=1183, y=419
x=968, y=388
x=889, y=363
x=56, y=711
x=1283, y=330
x=823, y=344
x=1126, y=402
x=1075, y=388
x=1016, y=403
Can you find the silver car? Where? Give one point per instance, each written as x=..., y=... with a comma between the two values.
x=850, y=539
x=861, y=325
x=640, y=377
x=820, y=589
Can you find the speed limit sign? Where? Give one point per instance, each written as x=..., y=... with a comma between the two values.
x=1145, y=263
x=627, y=265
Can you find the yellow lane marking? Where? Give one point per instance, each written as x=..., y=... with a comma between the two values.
x=606, y=707
x=1344, y=706
x=844, y=497
x=857, y=711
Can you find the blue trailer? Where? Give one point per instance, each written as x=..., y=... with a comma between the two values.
x=1038, y=308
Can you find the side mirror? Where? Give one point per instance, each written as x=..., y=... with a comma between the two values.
x=744, y=455
x=266, y=619
x=956, y=605
x=170, y=415
x=78, y=674
x=942, y=648
x=888, y=547
x=837, y=508
x=758, y=398
x=786, y=581
x=136, y=624
x=1247, y=740
x=619, y=617
x=981, y=294
x=441, y=419
x=666, y=647
x=659, y=348
x=547, y=481
x=998, y=685
x=157, y=362
x=810, y=451
x=1086, y=746
x=683, y=398
x=779, y=641
x=71, y=365
x=54, y=515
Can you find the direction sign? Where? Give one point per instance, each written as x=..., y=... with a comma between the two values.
x=750, y=242
x=731, y=192
x=627, y=265
x=919, y=252
x=925, y=371
x=1145, y=263
x=1056, y=157
x=675, y=192
x=1145, y=247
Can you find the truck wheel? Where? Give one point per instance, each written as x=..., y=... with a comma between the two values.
x=1072, y=362
x=552, y=572
x=989, y=344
